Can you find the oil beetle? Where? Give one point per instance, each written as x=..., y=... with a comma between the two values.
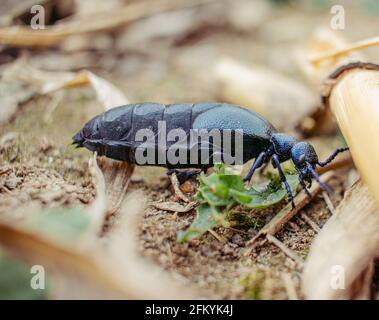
x=114, y=132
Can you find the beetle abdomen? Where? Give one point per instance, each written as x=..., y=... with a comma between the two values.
x=115, y=133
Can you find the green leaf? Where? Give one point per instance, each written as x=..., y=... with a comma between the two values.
x=15, y=278
x=206, y=195
x=241, y=197
x=222, y=190
x=273, y=193
x=215, y=185
x=207, y=217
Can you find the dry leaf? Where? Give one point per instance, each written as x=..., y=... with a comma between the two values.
x=45, y=82
x=105, y=269
x=353, y=97
x=21, y=81
x=97, y=210
x=174, y=206
x=117, y=176
x=323, y=40
x=81, y=271
x=344, y=249
x=320, y=119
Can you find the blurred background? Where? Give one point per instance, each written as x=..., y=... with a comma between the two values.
x=164, y=50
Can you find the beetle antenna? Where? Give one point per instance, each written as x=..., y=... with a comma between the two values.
x=317, y=178
x=331, y=157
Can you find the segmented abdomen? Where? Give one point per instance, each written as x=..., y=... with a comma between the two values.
x=114, y=132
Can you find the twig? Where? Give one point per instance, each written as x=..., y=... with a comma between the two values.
x=329, y=203
x=311, y=223
x=341, y=52
x=217, y=236
x=277, y=223
x=290, y=286
x=169, y=252
x=237, y=230
x=285, y=249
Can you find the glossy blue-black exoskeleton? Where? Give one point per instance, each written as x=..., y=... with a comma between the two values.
x=113, y=134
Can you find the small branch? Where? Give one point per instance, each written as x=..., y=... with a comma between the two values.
x=366, y=43
x=287, y=251
x=237, y=230
x=310, y=222
x=169, y=253
x=286, y=214
x=329, y=203
x=217, y=236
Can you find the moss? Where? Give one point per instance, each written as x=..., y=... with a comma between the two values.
x=245, y=221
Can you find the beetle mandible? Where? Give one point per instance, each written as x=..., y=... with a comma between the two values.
x=113, y=134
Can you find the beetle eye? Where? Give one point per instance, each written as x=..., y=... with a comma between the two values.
x=302, y=159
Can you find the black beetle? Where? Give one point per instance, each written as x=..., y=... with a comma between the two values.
x=113, y=134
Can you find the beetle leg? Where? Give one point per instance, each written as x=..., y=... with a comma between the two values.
x=317, y=178
x=183, y=173
x=257, y=163
x=304, y=186
x=275, y=159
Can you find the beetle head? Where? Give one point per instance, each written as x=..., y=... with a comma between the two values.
x=303, y=154
x=305, y=159
x=90, y=131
